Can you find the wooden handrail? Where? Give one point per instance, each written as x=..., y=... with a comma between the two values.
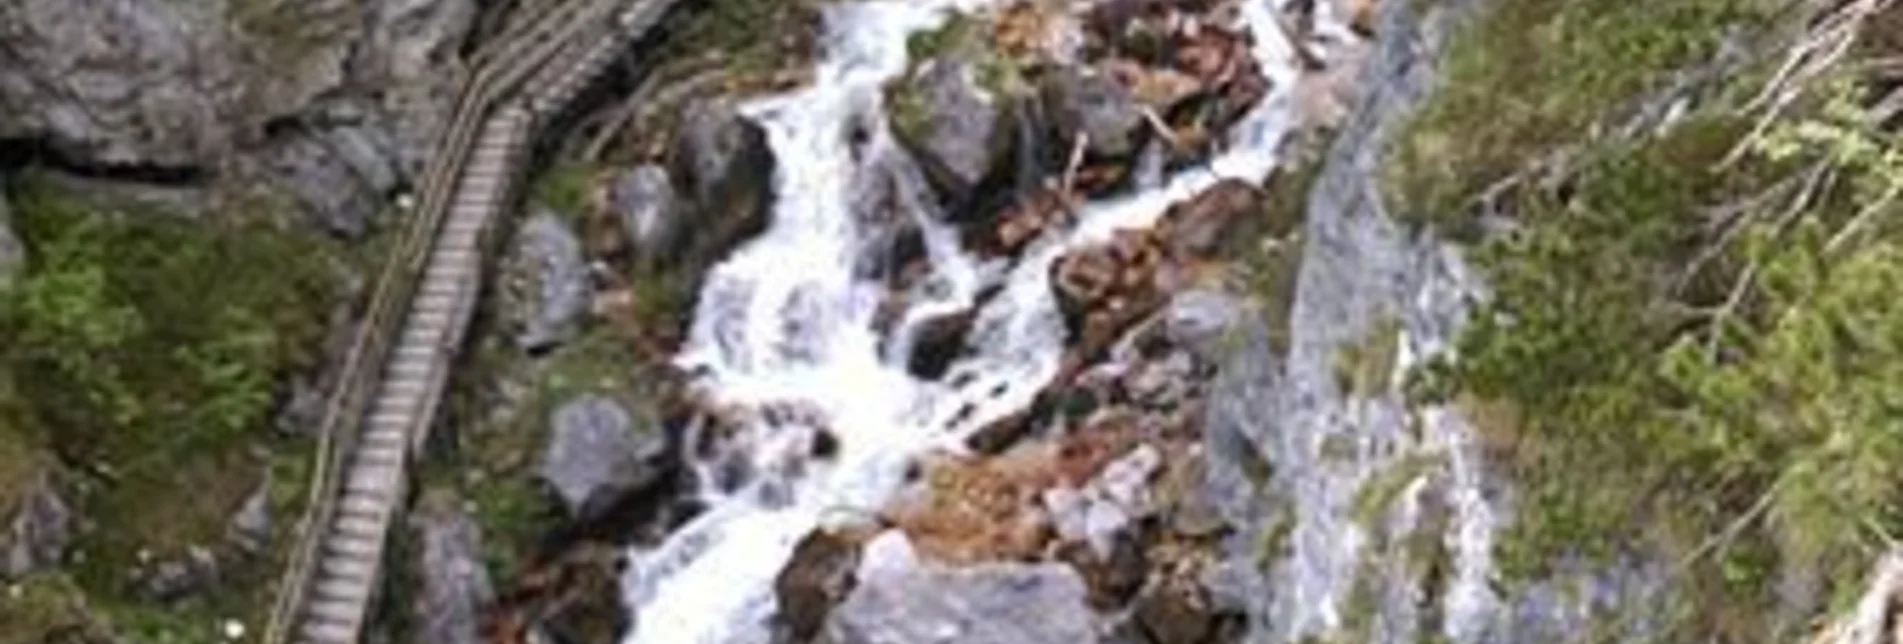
x=486, y=87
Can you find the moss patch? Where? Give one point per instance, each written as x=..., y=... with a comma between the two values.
x=148, y=355
x=498, y=464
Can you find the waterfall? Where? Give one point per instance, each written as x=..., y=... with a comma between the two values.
x=785, y=328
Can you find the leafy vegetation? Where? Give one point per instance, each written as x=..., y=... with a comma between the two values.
x=1687, y=350
x=144, y=352
x=1525, y=77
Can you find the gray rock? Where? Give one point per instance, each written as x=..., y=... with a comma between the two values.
x=168, y=84
x=339, y=174
x=12, y=250
x=724, y=164
x=651, y=213
x=38, y=531
x=191, y=573
x=250, y=527
x=454, y=584
x=549, y=286
x=597, y=455
x=412, y=53
x=1198, y=320
x=959, y=132
x=900, y=600
x=1107, y=504
x=1079, y=102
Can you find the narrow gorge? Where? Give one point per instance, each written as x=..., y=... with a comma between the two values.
x=977, y=321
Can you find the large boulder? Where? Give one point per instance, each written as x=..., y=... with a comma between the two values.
x=164, y=83
x=724, y=164
x=548, y=287
x=901, y=600
x=650, y=212
x=597, y=455
x=1080, y=102
x=12, y=250
x=36, y=531
x=454, y=585
x=960, y=133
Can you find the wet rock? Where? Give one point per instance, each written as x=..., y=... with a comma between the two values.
x=598, y=456
x=12, y=250
x=454, y=584
x=1175, y=610
x=938, y=342
x=1198, y=227
x=723, y=163
x=37, y=530
x=960, y=133
x=650, y=212
x=818, y=576
x=1112, y=579
x=1094, y=106
x=900, y=600
x=579, y=597
x=1020, y=223
x=250, y=527
x=191, y=573
x=1103, y=289
x=549, y=289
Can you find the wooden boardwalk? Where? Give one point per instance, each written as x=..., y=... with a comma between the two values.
x=395, y=374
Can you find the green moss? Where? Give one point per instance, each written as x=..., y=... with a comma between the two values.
x=754, y=37
x=1365, y=368
x=496, y=466
x=1525, y=78
x=565, y=189
x=1379, y=492
x=962, y=38
x=1270, y=247
x=147, y=355
x=44, y=607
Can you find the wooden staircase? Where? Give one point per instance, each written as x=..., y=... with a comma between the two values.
x=396, y=373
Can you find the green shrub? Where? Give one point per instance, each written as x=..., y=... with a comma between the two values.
x=1528, y=76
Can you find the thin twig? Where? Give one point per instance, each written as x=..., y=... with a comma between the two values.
x=1078, y=145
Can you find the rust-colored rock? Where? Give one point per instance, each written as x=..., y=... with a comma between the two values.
x=1196, y=228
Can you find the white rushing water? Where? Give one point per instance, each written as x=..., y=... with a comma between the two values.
x=787, y=321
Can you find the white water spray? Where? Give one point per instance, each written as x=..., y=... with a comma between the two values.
x=786, y=321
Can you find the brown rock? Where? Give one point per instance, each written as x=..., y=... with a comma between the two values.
x=818, y=576
x=1197, y=227
x=938, y=342
x=1175, y=610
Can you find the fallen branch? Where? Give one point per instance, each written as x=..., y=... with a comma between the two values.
x=1078, y=145
x=1833, y=37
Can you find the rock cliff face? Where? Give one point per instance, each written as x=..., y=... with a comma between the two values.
x=333, y=100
